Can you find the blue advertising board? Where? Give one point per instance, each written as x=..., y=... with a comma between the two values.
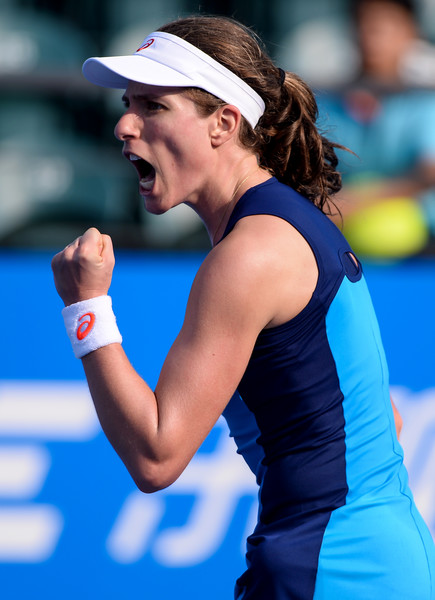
x=72, y=523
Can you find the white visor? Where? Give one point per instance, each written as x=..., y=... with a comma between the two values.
x=167, y=60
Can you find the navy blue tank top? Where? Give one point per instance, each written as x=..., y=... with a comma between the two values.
x=288, y=418
x=313, y=419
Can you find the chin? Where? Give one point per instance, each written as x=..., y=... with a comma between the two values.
x=154, y=210
x=153, y=207
x=161, y=204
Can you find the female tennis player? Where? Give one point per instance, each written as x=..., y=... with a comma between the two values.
x=279, y=333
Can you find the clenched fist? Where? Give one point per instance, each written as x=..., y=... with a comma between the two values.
x=84, y=268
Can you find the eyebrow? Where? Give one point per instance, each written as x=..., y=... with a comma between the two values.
x=136, y=97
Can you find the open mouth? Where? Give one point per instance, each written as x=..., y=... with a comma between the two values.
x=147, y=173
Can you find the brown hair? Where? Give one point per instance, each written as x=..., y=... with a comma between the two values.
x=286, y=138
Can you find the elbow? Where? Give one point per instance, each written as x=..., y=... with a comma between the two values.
x=150, y=486
x=398, y=421
x=153, y=477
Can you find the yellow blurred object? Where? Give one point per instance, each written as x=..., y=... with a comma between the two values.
x=392, y=228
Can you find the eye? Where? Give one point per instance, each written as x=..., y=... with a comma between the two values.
x=153, y=106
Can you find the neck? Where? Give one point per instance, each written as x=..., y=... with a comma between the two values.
x=217, y=197
x=222, y=215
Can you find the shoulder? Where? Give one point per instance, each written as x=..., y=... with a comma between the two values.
x=256, y=247
x=264, y=267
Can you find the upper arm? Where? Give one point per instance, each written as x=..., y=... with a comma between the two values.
x=210, y=354
x=239, y=290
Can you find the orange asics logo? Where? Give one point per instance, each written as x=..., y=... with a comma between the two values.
x=146, y=45
x=86, y=323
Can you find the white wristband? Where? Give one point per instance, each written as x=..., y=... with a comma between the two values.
x=91, y=324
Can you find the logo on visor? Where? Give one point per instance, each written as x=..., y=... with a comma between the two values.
x=146, y=45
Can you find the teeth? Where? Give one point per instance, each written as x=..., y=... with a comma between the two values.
x=134, y=157
x=146, y=184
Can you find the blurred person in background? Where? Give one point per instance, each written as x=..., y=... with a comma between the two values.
x=386, y=115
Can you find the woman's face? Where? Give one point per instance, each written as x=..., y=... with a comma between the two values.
x=168, y=142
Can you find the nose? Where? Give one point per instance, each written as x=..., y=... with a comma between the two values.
x=127, y=127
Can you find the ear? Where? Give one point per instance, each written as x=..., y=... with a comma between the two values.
x=225, y=124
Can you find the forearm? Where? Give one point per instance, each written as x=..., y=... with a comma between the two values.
x=147, y=429
x=128, y=412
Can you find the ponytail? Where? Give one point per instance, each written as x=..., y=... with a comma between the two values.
x=292, y=147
